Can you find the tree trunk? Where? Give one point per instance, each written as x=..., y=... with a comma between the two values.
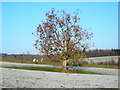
x=64, y=65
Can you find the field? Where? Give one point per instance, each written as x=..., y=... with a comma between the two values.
x=18, y=76
x=50, y=69
x=59, y=63
x=102, y=59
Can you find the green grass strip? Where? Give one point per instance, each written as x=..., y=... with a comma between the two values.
x=50, y=69
x=58, y=63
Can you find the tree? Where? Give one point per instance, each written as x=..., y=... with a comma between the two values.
x=61, y=34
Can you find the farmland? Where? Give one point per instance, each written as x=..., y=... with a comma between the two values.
x=18, y=76
x=105, y=59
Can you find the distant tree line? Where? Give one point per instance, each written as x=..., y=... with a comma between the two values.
x=102, y=52
x=90, y=53
x=24, y=57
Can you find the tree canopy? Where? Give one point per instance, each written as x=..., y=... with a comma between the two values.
x=61, y=33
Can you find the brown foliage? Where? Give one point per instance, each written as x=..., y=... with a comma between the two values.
x=61, y=34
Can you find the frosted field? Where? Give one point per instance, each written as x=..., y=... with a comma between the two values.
x=92, y=69
x=102, y=59
x=16, y=78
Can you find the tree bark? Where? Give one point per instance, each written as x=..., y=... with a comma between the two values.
x=64, y=65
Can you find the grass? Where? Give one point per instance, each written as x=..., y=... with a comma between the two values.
x=58, y=63
x=101, y=66
x=50, y=69
x=30, y=62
